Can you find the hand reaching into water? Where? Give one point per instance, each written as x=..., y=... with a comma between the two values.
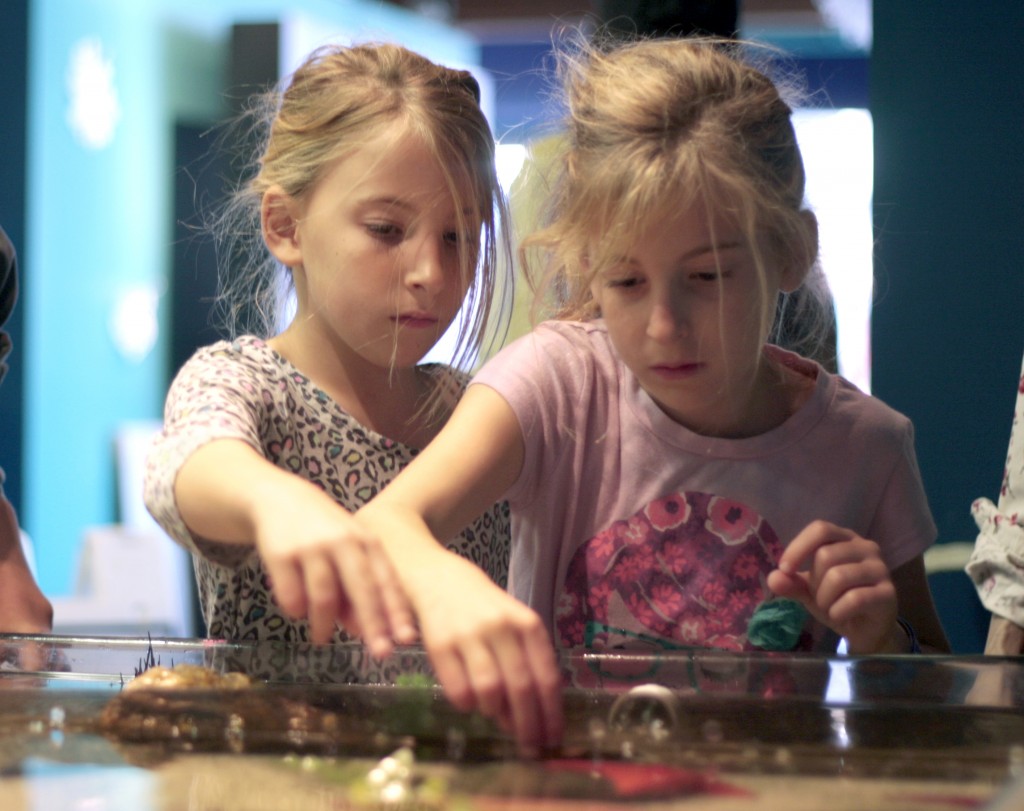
x=490, y=652
x=325, y=567
x=322, y=564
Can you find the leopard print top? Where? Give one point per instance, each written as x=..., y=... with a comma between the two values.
x=243, y=389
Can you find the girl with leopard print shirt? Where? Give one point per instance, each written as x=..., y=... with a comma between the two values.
x=375, y=197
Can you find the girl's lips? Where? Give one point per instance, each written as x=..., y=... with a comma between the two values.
x=676, y=371
x=416, y=320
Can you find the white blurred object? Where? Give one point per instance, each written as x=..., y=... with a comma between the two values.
x=133, y=322
x=132, y=578
x=29, y=552
x=851, y=18
x=947, y=557
x=94, y=108
x=838, y=152
x=131, y=446
x=129, y=583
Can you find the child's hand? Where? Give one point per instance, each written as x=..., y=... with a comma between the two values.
x=490, y=652
x=326, y=567
x=843, y=581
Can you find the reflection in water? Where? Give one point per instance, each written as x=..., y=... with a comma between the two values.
x=49, y=786
x=840, y=735
x=838, y=690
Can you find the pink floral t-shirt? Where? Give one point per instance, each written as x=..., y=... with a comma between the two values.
x=628, y=529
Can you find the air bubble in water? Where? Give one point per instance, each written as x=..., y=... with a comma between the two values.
x=234, y=733
x=57, y=717
x=643, y=707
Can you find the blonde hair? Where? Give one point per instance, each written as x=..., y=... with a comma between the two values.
x=336, y=99
x=661, y=124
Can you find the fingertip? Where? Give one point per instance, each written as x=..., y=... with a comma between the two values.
x=462, y=700
x=318, y=635
x=786, y=566
x=406, y=634
x=381, y=647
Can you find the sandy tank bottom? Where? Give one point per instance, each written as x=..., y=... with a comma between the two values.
x=225, y=782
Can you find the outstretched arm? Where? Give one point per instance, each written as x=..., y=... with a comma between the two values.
x=490, y=652
x=842, y=580
x=23, y=608
x=323, y=565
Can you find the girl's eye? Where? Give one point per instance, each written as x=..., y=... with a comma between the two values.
x=707, y=275
x=384, y=230
x=625, y=282
x=467, y=238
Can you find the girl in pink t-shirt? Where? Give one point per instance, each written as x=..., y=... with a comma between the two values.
x=760, y=496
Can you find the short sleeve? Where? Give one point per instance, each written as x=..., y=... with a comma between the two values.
x=904, y=518
x=214, y=396
x=542, y=376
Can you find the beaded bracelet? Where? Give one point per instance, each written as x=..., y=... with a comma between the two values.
x=908, y=629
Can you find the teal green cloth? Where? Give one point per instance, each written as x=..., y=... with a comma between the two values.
x=777, y=624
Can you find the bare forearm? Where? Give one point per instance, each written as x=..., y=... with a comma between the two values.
x=412, y=547
x=917, y=607
x=23, y=607
x=222, y=487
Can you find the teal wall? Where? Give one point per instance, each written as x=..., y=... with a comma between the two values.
x=948, y=323
x=13, y=64
x=99, y=224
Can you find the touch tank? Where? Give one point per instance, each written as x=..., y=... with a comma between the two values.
x=308, y=727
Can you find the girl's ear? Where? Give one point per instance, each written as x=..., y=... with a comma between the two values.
x=803, y=255
x=279, y=221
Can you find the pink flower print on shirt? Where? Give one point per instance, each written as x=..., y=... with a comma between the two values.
x=635, y=531
x=667, y=597
x=601, y=551
x=713, y=594
x=598, y=597
x=739, y=600
x=641, y=608
x=687, y=570
x=668, y=512
x=675, y=556
x=746, y=567
x=568, y=610
x=691, y=630
x=731, y=521
x=632, y=565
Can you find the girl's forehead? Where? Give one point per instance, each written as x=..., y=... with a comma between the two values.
x=677, y=222
x=400, y=166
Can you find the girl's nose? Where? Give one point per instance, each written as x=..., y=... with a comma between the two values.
x=427, y=271
x=666, y=321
